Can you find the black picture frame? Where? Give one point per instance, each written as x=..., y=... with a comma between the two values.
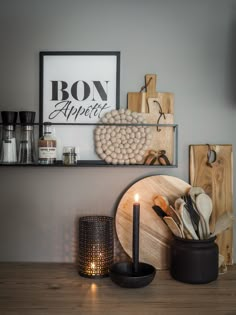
x=77, y=88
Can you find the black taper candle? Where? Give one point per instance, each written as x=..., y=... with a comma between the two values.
x=136, y=214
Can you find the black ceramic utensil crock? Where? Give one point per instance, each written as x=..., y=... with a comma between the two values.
x=194, y=261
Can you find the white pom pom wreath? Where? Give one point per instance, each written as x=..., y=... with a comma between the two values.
x=122, y=144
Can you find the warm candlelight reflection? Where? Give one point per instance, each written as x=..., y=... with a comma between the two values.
x=93, y=287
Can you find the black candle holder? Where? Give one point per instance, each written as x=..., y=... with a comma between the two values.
x=133, y=274
x=96, y=250
x=125, y=275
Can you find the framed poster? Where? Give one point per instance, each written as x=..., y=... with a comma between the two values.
x=78, y=88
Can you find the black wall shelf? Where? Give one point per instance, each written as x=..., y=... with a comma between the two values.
x=101, y=163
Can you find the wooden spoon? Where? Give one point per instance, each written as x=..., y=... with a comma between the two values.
x=179, y=221
x=204, y=206
x=193, y=193
x=173, y=226
x=179, y=206
x=201, y=227
x=159, y=211
x=162, y=202
x=172, y=213
x=223, y=223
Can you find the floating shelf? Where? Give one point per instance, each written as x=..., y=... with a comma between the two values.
x=102, y=163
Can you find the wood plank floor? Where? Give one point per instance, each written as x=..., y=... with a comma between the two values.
x=42, y=289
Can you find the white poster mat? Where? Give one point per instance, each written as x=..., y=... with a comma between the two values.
x=77, y=88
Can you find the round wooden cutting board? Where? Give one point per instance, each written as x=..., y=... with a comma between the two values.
x=155, y=236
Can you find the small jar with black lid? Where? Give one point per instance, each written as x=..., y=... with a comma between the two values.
x=69, y=155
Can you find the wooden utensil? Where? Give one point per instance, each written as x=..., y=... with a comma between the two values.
x=216, y=179
x=179, y=221
x=172, y=214
x=204, y=206
x=193, y=193
x=155, y=236
x=187, y=222
x=194, y=215
x=162, y=202
x=173, y=226
x=183, y=213
x=159, y=211
x=201, y=227
x=224, y=222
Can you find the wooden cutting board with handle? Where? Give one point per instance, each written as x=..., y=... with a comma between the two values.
x=138, y=101
x=162, y=137
x=155, y=236
x=216, y=180
x=157, y=108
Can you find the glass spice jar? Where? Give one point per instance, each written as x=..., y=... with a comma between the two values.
x=69, y=156
x=47, y=146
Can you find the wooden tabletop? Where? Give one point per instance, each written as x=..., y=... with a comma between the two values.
x=41, y=288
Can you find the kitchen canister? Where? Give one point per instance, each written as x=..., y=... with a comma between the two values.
x=194, y=261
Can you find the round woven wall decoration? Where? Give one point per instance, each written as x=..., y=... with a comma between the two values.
x=122, y=144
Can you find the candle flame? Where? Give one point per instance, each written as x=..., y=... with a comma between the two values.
x=136, y=197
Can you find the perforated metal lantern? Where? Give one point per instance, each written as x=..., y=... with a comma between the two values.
x=96, y=248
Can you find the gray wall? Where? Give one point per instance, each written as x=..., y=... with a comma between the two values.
x=190, y=45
